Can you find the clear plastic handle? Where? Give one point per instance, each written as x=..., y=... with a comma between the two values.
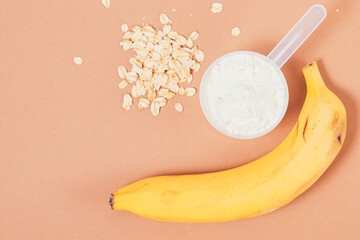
x=297, y=35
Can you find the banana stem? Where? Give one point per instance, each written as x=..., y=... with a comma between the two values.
x=314, y=81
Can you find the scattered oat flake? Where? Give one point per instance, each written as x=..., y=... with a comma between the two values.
x=169, y=95
x=151, y=95
x=190, y=44
x=164, y=19
x=199, y=55
x=148, y=85
x=122, y=71
x=337, y=10
x=181, y=40
x=128, y=35
x=174, y=10
x=160, y=100
x=126, y=44
x=189, y=79
x=172, y=35
x=132, y=61
x=174, y=87
x=144, y=102
x=196, y=67
x=179, y=107
x=124, y=27
x=181, y=91
x=123, y=84
x=216, y=7
x=106, y=3
x=235, y=31
x=136, y=28
x=135, y=91
x=193, y=36
x=142, y=90
x=166, y=29
x=127, y=101
x=78, y=60
x=193, y=50
x=155, y=108
x=190, y=91
x=162, y=91
x=190, y=14
x=131, y=76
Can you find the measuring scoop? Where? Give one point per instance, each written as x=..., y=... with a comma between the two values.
x=276, y=58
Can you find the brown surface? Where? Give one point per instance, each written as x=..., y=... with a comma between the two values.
x=66, y=143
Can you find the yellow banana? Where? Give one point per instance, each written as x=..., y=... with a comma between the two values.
x=259, y=187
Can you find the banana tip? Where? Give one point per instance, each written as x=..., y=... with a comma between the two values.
x=111, y=201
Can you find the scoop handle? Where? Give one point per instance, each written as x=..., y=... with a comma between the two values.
x=297, y=35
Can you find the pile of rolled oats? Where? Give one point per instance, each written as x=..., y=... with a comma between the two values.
x=163, y=65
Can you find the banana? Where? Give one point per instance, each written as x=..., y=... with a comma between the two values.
x=259, y=187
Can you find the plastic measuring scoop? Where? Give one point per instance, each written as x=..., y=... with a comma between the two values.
x=277, y=58
x=297, y=35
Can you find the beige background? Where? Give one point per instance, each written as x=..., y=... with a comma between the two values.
x=66, y=143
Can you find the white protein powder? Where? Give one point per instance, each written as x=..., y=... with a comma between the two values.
x=244, y=95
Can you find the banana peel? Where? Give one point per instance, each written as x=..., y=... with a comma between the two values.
x=254, y=189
